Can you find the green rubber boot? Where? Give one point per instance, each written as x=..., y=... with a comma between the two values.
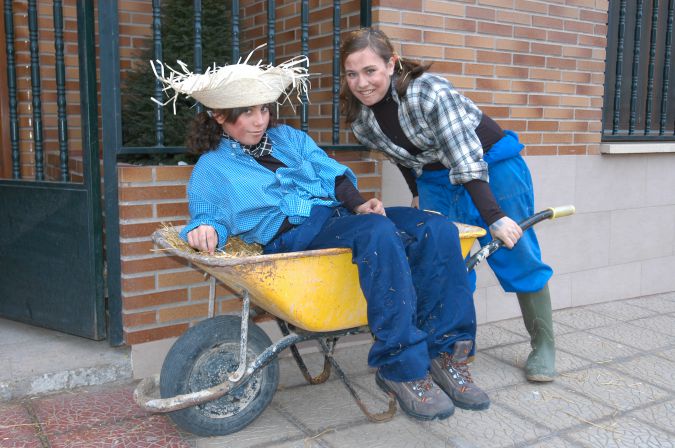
x=536, y=309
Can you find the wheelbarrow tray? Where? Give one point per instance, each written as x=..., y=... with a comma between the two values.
x=314, y=290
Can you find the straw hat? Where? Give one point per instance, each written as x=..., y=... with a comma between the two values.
x=236, y=85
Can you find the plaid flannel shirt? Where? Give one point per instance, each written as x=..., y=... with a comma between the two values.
x=439, y=121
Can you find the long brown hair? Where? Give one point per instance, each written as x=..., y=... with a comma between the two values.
x=376, y=40
x=204, y=133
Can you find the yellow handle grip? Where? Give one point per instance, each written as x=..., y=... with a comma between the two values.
x=562, y=210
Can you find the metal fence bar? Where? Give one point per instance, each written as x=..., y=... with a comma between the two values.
x=336, y=72
x=619, y=68
x=86, y=48
x=235, y=31
x=11, y=87
x=198, y=43
x=157, y=56
x=304, y=44
x=61, y=90
x=271, y=32
x=636, y=68
x=111, y=112
x=650, y=68
x=36, y=88
x=666, y=69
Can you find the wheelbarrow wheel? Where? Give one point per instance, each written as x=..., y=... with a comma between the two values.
x=203, y=357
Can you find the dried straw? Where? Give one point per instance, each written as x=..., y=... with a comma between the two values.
x=234, y=248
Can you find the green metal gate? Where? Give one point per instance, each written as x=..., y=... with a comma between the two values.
x=51, y=252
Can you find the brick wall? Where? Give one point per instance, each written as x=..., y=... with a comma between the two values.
x=163, y=295
x=536, y=67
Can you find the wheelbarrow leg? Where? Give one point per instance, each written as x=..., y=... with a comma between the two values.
x=322, y=377
x=379, y=417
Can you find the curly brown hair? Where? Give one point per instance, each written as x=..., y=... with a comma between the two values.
x=376, y=40
x=204, y=132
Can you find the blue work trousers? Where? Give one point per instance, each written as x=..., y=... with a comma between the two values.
x=520, y=269
x=412, y=276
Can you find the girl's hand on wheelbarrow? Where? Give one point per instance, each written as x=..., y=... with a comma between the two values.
x=506, y=230
x=373, y=205
x=203, y=238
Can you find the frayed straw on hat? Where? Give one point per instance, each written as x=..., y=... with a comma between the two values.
x=236, y=85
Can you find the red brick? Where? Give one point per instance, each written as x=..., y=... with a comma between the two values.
x=173, y=173
x=138, y=230
x=135, y=284
x=542, y=126
x=135, y=211
x=154, y=334
x=136, y=248
x=138, y=319
x=172, y=209
x=180, y=278
x=134, y=174
x=137, y=266
x=183, y=312
x=152, y=193
x=154, y=299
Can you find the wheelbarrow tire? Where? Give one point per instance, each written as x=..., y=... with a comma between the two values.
x=203, y=357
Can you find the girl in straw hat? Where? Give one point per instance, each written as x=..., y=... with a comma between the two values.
x=271, y=184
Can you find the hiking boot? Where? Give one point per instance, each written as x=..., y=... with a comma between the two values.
x=421, y=399
x=451, y=373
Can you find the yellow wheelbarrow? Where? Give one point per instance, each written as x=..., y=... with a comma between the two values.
x=223, y=372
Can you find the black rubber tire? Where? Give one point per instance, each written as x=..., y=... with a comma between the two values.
x=203, y=357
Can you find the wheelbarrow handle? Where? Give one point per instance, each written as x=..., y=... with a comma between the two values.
x=492, y=246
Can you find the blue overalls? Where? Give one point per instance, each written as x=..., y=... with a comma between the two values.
x=519, y=269
x=412, y=276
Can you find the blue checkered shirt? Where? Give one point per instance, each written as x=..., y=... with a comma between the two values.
x=439, y=121
x=235, y=194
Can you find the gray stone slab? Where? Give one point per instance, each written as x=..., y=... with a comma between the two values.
x=516, y=355
x=401, y=432
x=492, y=428
x=663, y=323
x=661, y=415
x=623, y=432
x=593, y=348
x=620, y=310
x=269, y=427
x=553, y=442
x=582, y=319
x=324, y=406
x=660, y=303
x=650, y=368
x=491, y=373
x=551, y=405
x=641, y=338
x=613, y=389
x=493, y=334
x=516, y=326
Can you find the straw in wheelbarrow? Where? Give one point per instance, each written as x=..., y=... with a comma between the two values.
x=234, y=248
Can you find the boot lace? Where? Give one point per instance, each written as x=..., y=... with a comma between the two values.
x=421, y=387
x=458, y=369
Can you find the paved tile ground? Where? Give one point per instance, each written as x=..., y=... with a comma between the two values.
x=616, y=388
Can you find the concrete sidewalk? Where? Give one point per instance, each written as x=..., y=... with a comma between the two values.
x=616, y=389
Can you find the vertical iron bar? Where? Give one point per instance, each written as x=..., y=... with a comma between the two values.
x=11, y=86
x=235, y=31
x=336, y=72
x=61, y=90
x=636, y=68
x=666, y=70
x=619, y=68
x=304, y=40
x=111, y=113
x=198, y=43
x=86, y=46
x=35, y=88
x=157, y=56
x=271, y=32
x=366, y=13
x=650, y=70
